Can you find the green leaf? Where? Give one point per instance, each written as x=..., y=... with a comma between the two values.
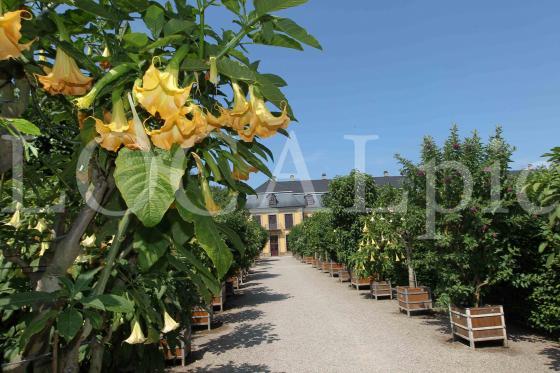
x=185, y=256
x=148, y=181
x=276, y=80
x=191, y=64
x=232, y=5
x=233, y=237
x=263, y=7
x=150, y=245
x=98, y=10
x=181, y=231
x=175, y=26
x=277, y=40
x=68, y=323
x=297, y=32
x=164, y=42
x=36, y=325
x=206, y=230
x=94, y=317
x=154, y=19
x=273, y=94
x=24, y=126
x=110, y=302
x=18, y=300
x=136, y=39
x=235, y=70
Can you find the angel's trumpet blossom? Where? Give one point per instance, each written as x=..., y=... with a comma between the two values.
x=65, y=77
x=118, y=131
x=136, y=336
x=169, y=323
x=10, y=26
x=160, y=93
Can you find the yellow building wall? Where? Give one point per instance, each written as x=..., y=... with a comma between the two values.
x=281, y=232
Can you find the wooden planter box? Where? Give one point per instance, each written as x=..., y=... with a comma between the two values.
x=308, y=259
x=414, y=299
x=478, y=324
x=234, y=281
x=335, y=268
x=381, y=289
x=202, y=316
x=179, y=352
x=343, y=274
x=314, y=263
x=361, y=282
x=219, y=299
x=326, y=267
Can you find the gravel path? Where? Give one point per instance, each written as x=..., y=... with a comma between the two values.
x=292, y=318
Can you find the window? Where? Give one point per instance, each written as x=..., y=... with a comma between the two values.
x=288, y=221
x=272, y=223
x=309, y=200
x=272, y=201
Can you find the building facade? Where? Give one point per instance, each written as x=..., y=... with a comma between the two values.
x=280, y=205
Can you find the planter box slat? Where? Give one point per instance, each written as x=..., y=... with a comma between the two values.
x=478, y=324
x=381, y=289
x=361, y=282
x=343, y=274
x=414, y=299
x=335, y=268
x=201, y=316
x=219, y=299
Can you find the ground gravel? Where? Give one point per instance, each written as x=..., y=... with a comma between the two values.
x=291, y=317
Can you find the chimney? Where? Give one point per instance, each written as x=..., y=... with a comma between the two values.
x=385, y=173
x=292, y=177
x=324, y=176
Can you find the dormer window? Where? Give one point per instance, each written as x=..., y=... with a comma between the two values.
x=309, y=200
x=272, y=201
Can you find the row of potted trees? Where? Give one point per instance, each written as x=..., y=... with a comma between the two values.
x=456, y=224
x=472, y=324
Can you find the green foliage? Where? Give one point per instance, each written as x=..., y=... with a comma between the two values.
x=314, y=236
x=148, y=181
x=98, y=272
x=348, y=198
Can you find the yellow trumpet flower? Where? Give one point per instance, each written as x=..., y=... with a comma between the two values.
x=88, y=241
x=160, y=93
x=65, y=77
x=10, y=26
x=136, y=337
x=211, y=206
x=242, y=173
x=265, y=116
x=179, y=129
x=213, y=78
x=119, y=131
x=15, y=221
x=262, y=122
x=168, y=323
x=41, y=225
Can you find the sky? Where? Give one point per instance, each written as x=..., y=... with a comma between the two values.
x=403, y=69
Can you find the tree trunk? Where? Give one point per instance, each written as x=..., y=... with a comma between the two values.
x=65, y=253
x=411, y=273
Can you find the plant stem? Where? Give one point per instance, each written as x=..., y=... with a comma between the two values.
x=235, y=41
x=201, y=11
x=117, y=241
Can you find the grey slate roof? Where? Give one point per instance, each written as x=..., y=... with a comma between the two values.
x=317, y=186
x=292, y=193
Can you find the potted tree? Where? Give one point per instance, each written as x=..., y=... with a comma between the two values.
x=470, y=246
